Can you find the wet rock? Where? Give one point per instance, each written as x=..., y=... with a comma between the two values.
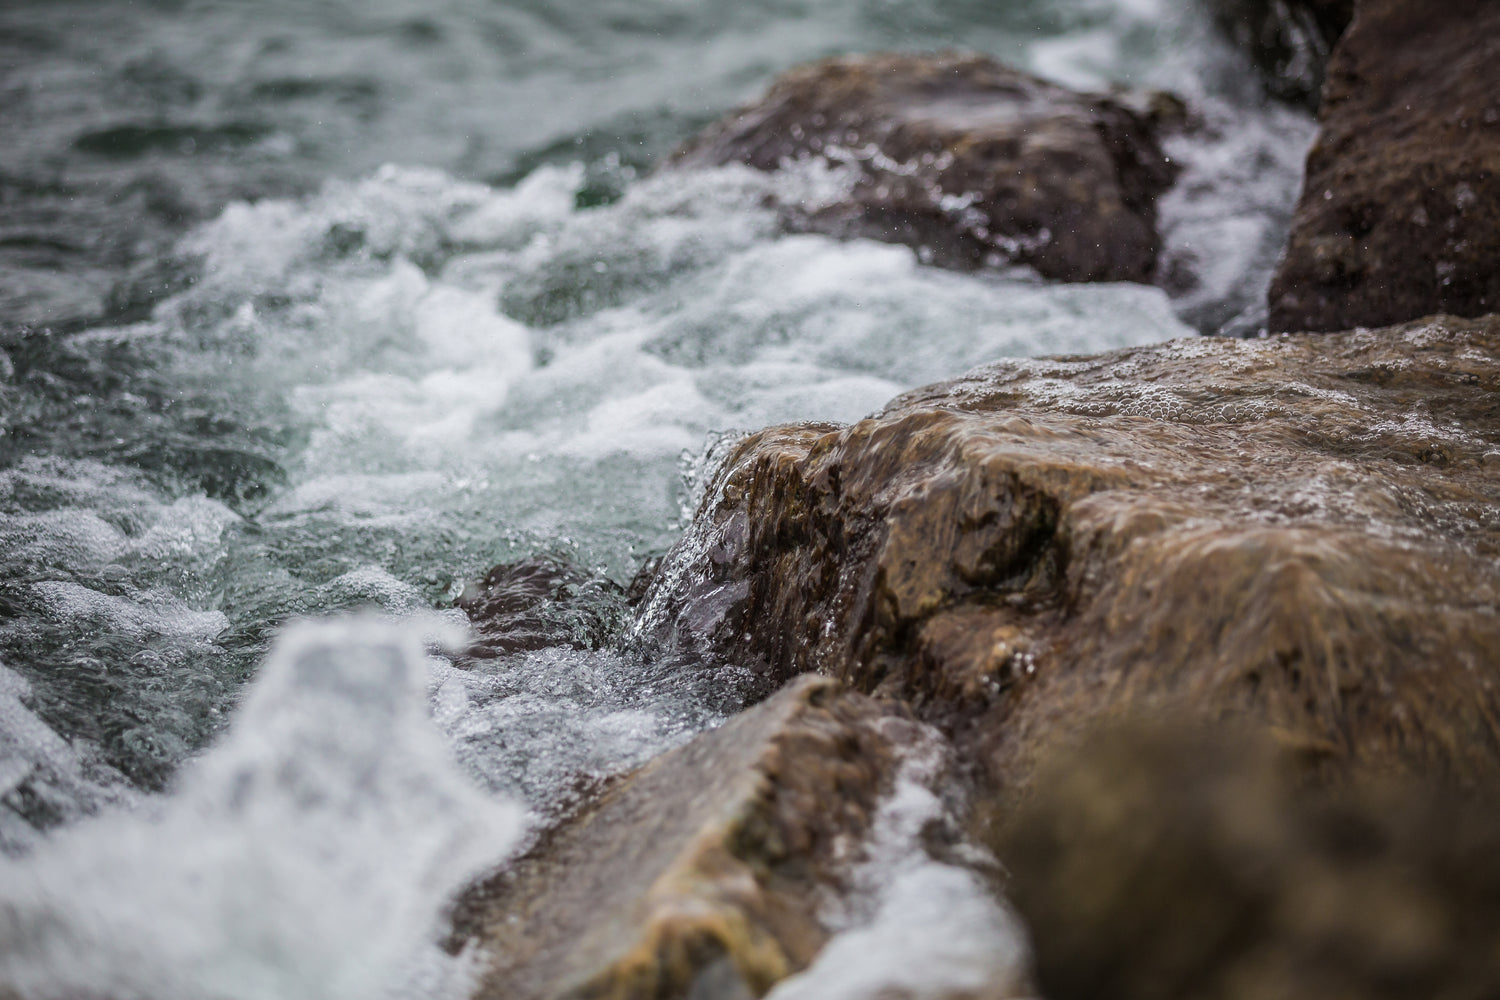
x=1289, y=40
x=702, y=874
x=968, y=161
x=539, y=603
x=1299, y=531
x=1400, y=212
x=1160, y=861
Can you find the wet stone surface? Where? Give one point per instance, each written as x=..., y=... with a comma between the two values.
x=1299, y=532
x=702, y=873
x=967, y=160
x=1399, y=216
x=1289, y=41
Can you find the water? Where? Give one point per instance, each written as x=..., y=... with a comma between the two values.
x=318, y=309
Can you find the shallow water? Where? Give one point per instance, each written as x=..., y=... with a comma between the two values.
x=308, y=309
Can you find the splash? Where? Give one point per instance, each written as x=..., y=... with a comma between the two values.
x=308, y=855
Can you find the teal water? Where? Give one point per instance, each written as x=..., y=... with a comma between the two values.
x=323, y=308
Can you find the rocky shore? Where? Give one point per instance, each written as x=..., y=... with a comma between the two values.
x=1211, y=627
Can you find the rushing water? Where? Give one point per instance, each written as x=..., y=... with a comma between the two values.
x=312, y=308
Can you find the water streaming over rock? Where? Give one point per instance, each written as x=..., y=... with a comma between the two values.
x=249, y=375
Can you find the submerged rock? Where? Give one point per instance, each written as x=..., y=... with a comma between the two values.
x=1162, y=861
x=968, y=161
x=1400, y=212
x=538, y=603
x=1289, y=40
x=702, y=874
x=1299, y=532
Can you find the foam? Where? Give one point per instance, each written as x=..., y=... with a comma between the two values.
x=308, y=855
x=913, y=926
x=83, y=609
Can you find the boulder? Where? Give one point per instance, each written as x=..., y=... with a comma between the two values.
x=1288, y=39
x=1400, y=211
x=1301, y=532
x=1159, y=860
x=703, y=873
x=968, y=161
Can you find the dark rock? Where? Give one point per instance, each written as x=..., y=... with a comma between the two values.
x=1158, y=861
x=1302, y=532
x=539, y=603
x=702, y=874
x=965, y=159
x=1400, y=213
x=1289, y=40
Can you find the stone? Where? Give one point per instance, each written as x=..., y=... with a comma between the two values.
x=1163, y=860
x=539, y=603
x=1400, y=210
x=1299, y=532
x=967, y=160
x=1289, y=40
x=703, y=873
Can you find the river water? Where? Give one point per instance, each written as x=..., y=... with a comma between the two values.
x=319, y=309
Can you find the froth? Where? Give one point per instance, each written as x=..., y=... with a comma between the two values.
x=307, y=855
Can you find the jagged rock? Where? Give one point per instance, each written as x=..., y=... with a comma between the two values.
x=702, y=874
x=1299, y=531
x=1289, y=40
x=1159, y=861
x=965, y=159
x=1400, y=212
x=538, y=603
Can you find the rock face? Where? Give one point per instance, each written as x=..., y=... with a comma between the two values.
x=702, y=874
x=1400, y=213
x=965, y=159
x=1302, y=532
x=1158, y=861
x=1289, y=40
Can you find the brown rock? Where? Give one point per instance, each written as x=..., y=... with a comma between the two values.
x=538, y=603
x=704, y=871
x=967, y=160
x=1159, y=861
x=1299, y=532
x=1400, y=212
x=1288, y=39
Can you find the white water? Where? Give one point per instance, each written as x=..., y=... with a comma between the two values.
x=308, y=855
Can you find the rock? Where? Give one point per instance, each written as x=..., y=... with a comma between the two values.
x=1166, y=861
x=1300, y=531
x=1289, y=40
x=538, y=603
x=702, y=874
x=965, y=159
x=1400, y=212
